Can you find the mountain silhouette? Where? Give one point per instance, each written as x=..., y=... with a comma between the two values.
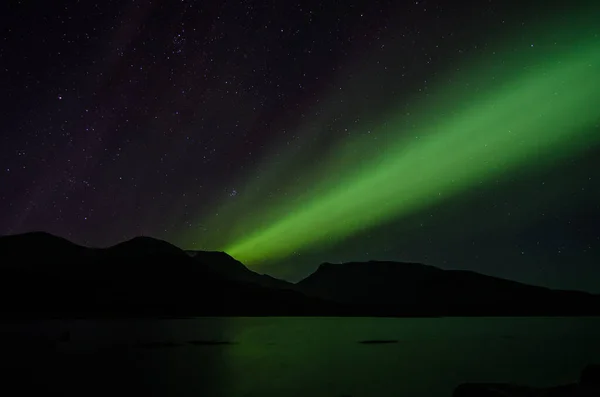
x=38, y=248
x=412, y=288
x=230, y=268
x=145, y=247
x=45, y=275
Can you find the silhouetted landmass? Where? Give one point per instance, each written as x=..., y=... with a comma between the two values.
x=158, y=345
x=44, y=275
x=377, y=341
x=210, y=342
x=230, y=268
x=412, y=288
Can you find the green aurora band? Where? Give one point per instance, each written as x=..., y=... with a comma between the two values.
x=531, y=113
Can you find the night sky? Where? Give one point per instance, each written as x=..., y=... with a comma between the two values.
x=463, y=135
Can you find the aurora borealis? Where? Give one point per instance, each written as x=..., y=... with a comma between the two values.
x=530, y=121
x=463, y=136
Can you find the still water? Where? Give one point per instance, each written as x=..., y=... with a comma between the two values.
x=302, y=356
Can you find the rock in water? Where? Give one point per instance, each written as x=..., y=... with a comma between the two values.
x=590, y=377
x=588, y=386
x=507, y=390
x=492, y=390
x=590, y=381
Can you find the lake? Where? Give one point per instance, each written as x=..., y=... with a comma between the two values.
x=295, y=356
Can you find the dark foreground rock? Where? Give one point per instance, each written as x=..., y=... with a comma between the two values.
x=588, y=386
x=590, y=377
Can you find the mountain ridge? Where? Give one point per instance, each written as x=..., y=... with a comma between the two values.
x=148, y=276
x=428, y=289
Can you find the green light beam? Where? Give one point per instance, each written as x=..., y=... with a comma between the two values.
x=531, y=117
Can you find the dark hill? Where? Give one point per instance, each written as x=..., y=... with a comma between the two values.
x=230, y=268
x=144, y=248
x=368, y=282
x=43, y=275
x=395, y=287
x=38, y=248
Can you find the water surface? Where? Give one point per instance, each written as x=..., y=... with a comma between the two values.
x=301, y=356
